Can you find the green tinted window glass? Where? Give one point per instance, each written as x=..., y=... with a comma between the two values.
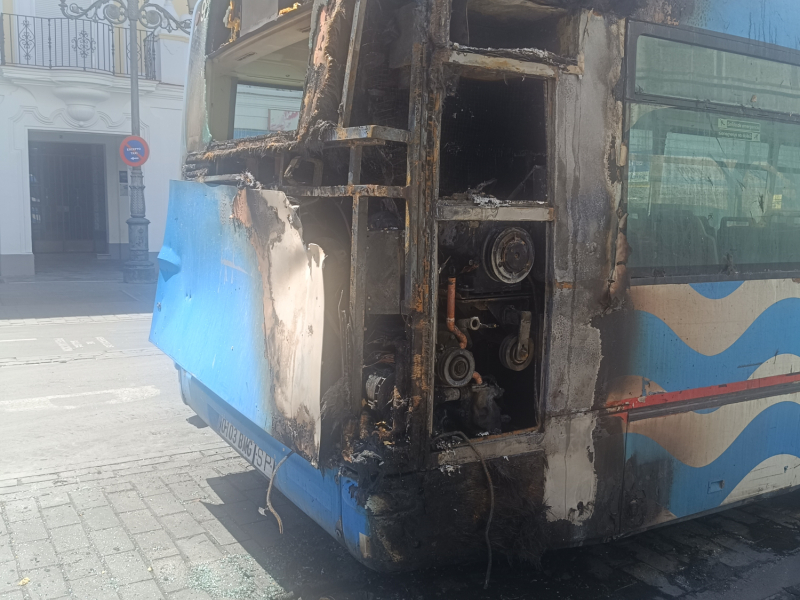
x=678, y=70
x=711, y=192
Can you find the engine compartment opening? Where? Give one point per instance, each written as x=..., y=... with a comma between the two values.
x=491, y=314
x=494, y=139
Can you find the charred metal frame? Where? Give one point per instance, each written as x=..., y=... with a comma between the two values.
x=448, y=56
x=433, y=57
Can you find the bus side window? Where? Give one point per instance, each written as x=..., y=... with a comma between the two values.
x=711, y=191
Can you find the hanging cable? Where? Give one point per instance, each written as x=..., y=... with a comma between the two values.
x=463, y=436
x=269, y=494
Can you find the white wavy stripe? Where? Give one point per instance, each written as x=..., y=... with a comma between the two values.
x=782, y=364
x=711, y=326
x=697, y=439
x=775, y=473
x=630, y=386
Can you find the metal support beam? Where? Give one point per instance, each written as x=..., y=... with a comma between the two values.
x=504, y=65
x=364, y=133
x=339, y=191
x=528, y=211
x=358, y=277
x=351, y=69
x=354, y=173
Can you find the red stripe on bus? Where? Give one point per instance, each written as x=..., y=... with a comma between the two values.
x=704, y=392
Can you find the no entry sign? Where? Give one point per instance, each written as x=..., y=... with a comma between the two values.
x=134, y=151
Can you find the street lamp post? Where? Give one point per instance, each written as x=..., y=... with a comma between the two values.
x=138, y=268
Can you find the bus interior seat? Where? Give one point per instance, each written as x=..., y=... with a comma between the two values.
x=784, y=232
x=671, y=237
x=740, y=238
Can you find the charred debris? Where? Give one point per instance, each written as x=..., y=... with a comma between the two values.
x=420, y=166
x=433, y=218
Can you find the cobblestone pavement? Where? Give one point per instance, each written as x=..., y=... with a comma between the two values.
x=187, y=527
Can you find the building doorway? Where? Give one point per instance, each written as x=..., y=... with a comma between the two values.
x=68, y=198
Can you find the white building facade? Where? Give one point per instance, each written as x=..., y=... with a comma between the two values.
x=64, y=109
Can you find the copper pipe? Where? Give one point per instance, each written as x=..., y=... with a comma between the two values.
x=451, y=313
x=477, y=378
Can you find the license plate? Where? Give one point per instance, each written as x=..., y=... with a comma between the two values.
x=247, y=448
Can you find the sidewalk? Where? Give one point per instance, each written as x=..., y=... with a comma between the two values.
x=183, y=526
x=72, y=286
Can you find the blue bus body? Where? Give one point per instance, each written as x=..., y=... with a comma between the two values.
x=584, y=257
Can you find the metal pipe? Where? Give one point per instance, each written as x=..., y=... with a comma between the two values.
x=138, y=268
x=451, y=313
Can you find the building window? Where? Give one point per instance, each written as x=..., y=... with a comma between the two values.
x=261, y=110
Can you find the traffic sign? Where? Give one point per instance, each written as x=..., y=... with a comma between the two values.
x=134, y=151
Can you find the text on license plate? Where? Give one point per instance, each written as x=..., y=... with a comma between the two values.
x=247, y=448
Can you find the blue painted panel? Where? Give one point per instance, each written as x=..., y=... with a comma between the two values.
x=664, y=358
x=716, y=290
x=209, y=315
x=353, y=522
x=209, y=319
x=688, y=490
x=771, y=21
x=316, y=492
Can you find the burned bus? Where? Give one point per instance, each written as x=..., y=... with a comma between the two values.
x=462, y=276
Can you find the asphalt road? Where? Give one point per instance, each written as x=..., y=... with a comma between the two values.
x=81, y=388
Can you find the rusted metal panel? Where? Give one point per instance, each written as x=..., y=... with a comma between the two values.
x=331, y=21
x=384, y=264
x=366, y=132
x=420, y=239
x=509, y=65
x=516, y=211
x=339, y=191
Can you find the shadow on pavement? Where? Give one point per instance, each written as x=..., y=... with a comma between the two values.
x=679, y=560
x=305, y=562
x=73, y=286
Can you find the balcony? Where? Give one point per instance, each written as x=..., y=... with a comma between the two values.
x=75, y=44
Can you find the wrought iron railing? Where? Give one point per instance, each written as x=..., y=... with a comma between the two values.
x=62, y=43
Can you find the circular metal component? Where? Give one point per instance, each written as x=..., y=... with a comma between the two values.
x=456, y=366
x=510, y=255
x=510, y=356
x=112, y=12
x=379, y=388
x=471, y=324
